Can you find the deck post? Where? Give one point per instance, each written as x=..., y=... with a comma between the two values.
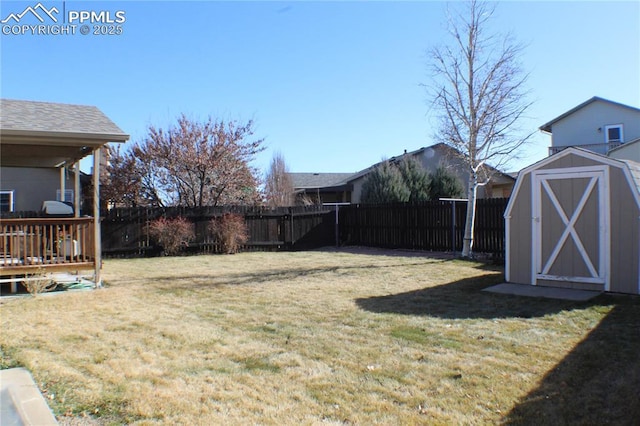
x=76, y=191
x=63, y=182
x=97, y=250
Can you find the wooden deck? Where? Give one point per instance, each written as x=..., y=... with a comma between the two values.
x=60, y=244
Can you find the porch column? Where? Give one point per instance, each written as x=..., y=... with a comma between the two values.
x=76, y=192
x=97, y=240
x=63, y=182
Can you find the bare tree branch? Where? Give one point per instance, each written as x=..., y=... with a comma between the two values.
x=479, y=91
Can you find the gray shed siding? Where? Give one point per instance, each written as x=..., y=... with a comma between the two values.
x=622, y=207
x=520, y=242
x=582, y=126
x=625, y=235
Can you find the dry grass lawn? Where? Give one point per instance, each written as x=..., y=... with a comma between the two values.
x=323, y=337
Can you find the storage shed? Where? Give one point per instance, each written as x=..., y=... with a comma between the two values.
x=573, y=221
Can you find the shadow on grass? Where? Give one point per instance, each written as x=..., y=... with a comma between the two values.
x=597, y=383
x=262, y=277
x=464, y=299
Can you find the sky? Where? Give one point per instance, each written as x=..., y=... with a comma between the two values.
x=334, y=86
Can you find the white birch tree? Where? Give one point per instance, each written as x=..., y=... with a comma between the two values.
x=478, y=91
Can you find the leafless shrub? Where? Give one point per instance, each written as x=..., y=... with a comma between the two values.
x=230, y=230
x=172, y=234
x=39, y=282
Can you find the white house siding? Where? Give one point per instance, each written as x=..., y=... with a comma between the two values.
x=587, y=125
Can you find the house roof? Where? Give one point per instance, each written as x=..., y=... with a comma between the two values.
x=448, y=150
x=343, y=181
x=87, y=121
x=547, y=126
x=45, y=134
x=624, y=145
x=318, y=180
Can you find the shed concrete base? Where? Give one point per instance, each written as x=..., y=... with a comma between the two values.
x=21, y=402
x=540, y=291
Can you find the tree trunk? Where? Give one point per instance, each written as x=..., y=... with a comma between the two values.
x=469, y=224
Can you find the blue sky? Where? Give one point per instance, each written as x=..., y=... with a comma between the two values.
x=335, y=86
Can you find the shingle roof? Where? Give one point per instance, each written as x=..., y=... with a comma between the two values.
x=55, y=118
x=318, y=180
x=634, y=168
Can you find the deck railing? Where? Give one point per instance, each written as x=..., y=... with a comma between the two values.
x=600, y=148
x=49, y=243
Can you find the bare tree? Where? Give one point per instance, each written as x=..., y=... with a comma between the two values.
x=278, y=189
x=197, y=164
x=121, y=185
x=479, y=93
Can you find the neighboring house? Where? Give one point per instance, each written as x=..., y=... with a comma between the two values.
x=341, y=187
x=598, y=125
x=431, y=157
x=627, y=151
x=318, y=188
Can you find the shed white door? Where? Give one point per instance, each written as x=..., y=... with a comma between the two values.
x=571, y=225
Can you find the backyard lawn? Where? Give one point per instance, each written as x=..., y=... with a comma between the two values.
x=356, y=336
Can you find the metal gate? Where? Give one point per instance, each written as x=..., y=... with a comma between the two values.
x=571, y=225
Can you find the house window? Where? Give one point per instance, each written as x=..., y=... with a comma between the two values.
x=68, y=195
x=613, y=133
x=6, y=201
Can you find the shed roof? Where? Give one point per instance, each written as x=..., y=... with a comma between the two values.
x=45, y=134
x=630, y=168
x=547, y=126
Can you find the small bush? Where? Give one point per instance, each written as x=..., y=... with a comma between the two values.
x=230, y=230
x=172, y=234
x=39, y=282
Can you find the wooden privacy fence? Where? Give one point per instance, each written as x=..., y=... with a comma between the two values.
x=125, y=231
x=434, y=225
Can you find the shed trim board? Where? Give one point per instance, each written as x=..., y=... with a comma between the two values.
x=598, y=179
x=565, y=153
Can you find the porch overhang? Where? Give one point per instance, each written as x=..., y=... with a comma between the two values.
x=20, y=148
x=51, y=135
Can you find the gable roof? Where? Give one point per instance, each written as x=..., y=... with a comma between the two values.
x=631, y=169
x=19, y=117
x=447, y=151
x=318, y=180
x=547, y=126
